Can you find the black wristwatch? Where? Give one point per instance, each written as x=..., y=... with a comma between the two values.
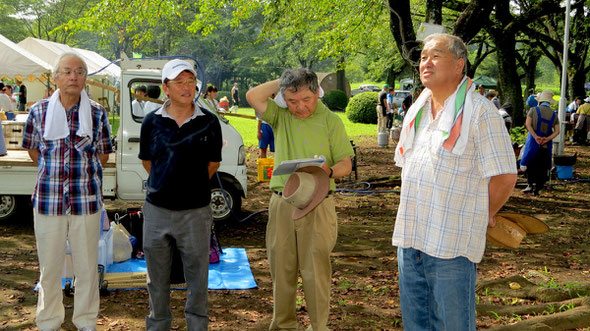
x=331, y=173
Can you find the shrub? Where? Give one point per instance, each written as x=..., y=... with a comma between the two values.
x=361, y=108
x=335, y=99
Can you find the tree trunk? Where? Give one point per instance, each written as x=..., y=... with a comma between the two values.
x=505, y=41
x=530, y=70
x=433, y=12
x=402, y=29
x=577, y=84
x=340, y=75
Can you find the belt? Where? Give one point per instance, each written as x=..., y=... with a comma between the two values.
x=281, y=193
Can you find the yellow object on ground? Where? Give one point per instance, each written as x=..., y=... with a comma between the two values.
x=265, y=167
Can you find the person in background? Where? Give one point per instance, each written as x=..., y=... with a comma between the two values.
x=137, y=104
x=570, y=122
x=531, y=101
x=481, y=89
x=4, y=103
x=266, y=138
x=391, y=109
x=22, y=95
x=235, y=95
x=505, y=112
x=543, y=126
x=582, y=123
x=153, y=92
x=406, y=103
x=180, y=148
x=68, y=137
x=303, y=127
x=457, y=172
x=492, y=95
x=224, y=104
x=8, y=90
x=382, y=107
x=210, y=99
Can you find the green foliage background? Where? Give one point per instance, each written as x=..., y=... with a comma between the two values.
x=362, y=108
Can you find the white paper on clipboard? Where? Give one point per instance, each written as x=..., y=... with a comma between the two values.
x=289, y=166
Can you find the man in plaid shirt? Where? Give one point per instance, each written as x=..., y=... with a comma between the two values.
x=458, y=169
x=68, y=137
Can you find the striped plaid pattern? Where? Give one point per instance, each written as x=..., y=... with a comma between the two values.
x=69, y=181
x=444, y=204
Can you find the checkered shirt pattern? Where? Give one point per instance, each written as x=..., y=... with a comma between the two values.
x=69, y=180
x=444, y=205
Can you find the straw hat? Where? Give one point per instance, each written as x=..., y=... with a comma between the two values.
x=305, y=189
x=546, y=96
x=511, y=228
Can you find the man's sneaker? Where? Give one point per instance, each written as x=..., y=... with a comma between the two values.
x=528, y=189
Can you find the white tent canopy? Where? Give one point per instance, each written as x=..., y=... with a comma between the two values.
x=17, y=62
x=50, y=52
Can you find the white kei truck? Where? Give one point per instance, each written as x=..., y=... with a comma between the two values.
x=124, y=176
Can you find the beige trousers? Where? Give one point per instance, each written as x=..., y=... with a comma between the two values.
x=51, y=233
x=381, y=120
x=302, y=245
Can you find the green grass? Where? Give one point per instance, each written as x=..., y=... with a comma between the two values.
x=247, y=127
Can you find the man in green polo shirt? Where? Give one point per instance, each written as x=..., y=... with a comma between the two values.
x=304, y=127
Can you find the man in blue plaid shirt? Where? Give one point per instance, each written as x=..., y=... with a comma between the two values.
x=68, y=137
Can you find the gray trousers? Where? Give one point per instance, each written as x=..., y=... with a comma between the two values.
x=191, y=230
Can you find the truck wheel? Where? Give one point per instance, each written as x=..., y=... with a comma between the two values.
x=219, y=208
x=8, y=206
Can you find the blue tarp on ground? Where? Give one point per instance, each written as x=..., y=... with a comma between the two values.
x=231, y=273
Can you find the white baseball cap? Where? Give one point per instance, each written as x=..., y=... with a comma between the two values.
x=174, y=67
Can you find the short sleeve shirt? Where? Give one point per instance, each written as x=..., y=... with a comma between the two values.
x=444, y=204
x=584, y=109
x=322, y=133
x=546, y=113
x=180, y=156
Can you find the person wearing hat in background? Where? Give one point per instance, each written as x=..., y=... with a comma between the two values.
x=382, y=107
x=582, y=123
x=301, y=236
x=458, y=170
x=180, y=148
x=543, y=125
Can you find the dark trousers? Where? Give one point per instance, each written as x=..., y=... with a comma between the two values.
x=538, y=169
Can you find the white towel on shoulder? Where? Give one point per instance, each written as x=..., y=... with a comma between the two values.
x=446, y=123
x=56, y=122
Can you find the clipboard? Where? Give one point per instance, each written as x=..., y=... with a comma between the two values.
x=289, y=166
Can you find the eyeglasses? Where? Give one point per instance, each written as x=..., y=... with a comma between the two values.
x=77, y=72
x=188, y=82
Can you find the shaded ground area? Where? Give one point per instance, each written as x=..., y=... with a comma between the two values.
x=365, y=291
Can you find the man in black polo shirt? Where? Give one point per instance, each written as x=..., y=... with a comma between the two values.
x=180, y=147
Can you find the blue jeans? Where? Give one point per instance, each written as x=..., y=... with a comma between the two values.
x=436, y=294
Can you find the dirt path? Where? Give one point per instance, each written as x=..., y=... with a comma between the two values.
x=365, y=292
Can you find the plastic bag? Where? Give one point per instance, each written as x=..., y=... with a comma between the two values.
x=121, y=245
